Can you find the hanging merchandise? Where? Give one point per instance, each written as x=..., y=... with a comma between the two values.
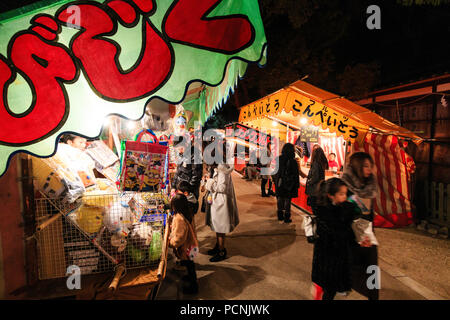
x=144, y=165
x=105, y=159
x=147, y=135
x=55, y=178
x=180, y=123
x=309, y=134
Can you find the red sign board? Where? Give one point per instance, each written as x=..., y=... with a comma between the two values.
x=247, y=134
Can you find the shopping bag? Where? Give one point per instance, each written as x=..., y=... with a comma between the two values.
x=143, y=165
x=310, y=227
x=363, y=231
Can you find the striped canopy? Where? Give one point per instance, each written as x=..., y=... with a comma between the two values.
x=393, y=168
x=301, y=103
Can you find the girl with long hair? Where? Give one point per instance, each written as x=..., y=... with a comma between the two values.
x=362, y=190
x=319, y=163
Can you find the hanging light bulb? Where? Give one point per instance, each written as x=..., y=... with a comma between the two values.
x=303, y=121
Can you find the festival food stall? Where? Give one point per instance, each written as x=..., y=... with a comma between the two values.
x=127, y=75
x=308, y=115
x=250, y=140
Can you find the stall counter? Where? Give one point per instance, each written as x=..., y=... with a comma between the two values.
x=300, y=201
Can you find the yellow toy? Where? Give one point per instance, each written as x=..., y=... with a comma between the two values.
x=89, y=219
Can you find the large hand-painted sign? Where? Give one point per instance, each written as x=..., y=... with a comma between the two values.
x=65, y=65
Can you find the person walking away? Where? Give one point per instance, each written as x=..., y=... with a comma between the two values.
x=222, y=214
x=286, y=182
x=266, y=177
x=362, y=189
x=319, y=163
x=331, y=267
x=184, y=242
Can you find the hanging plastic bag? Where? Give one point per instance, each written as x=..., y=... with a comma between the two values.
x=143, y=165
x=310, y=227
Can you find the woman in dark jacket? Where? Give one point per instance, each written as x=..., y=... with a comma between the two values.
x=362, y=189
x=191, y=172
x=286, y=182
x=319, y=163
x=331, y=268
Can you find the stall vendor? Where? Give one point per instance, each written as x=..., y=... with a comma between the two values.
x=334, y=166
x=74, y=141
x=298, y=158
x=72, y=149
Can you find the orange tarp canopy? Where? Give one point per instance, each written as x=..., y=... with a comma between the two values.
x=302, y=103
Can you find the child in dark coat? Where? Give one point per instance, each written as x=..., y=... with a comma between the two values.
x=331, y=267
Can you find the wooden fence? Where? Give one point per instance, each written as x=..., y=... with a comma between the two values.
x=437, y=200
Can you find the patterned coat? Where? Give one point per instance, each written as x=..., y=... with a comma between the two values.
x=182, y=236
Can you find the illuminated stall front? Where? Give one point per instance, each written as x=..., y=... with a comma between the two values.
x=307, y=115
x=105, y=71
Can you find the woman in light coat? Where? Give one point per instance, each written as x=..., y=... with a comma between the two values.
x=222, y=214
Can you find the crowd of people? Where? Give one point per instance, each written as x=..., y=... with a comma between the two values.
x=218, y=203
x=341, y=254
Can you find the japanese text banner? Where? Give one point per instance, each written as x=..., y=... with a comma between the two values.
x=66, y=65
x=299, y=106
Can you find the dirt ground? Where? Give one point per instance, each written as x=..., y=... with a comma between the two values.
x=418, y=255
x=270, y=260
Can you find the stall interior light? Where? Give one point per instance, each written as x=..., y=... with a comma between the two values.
x=274, y=123
x=131, y=125
x=108, y=121
x=303, y=121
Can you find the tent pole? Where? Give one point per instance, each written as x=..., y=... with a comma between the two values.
x=287, y=133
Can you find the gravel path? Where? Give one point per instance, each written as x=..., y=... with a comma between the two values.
x=418, y=255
